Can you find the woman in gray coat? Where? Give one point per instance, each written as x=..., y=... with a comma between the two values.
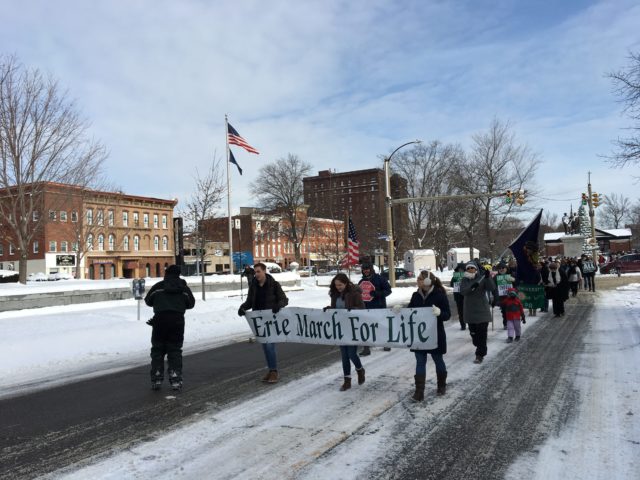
x=474, y=287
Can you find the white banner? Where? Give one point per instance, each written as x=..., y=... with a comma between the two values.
x=408, y=327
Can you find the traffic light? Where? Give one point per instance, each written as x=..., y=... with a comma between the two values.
x=509, y=197
x=520, y=200
x=584, y=199
x=595, y=200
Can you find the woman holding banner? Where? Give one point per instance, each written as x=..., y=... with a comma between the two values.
x=432, y=294
x=344, y=294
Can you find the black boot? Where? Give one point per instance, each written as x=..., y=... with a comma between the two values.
x=360, y=373
x=346, y=385
x=442, y=382
x=418, y=395
x=365, y=351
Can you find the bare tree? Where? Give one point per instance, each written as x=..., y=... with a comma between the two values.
x=496, y=164
x=550, y=220
x=627, y=88
x=42, y=139
x=427, y=170
x=634, y=213
x=616, y=209
x=279, y=189
x=204, y=205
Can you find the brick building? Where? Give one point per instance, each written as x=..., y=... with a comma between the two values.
x=360, y=193
x=105, y=234
x=262, y=235
x=617, y=240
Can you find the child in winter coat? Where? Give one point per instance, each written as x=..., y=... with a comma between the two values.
x=514, y=312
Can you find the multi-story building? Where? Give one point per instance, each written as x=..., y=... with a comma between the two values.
x=262, y=235
x=103, y=234
x=361, y=194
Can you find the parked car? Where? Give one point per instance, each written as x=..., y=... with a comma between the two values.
x=624, y=264
x=401, y=273
x=59, y=276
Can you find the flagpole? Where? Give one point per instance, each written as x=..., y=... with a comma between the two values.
x=226, y=134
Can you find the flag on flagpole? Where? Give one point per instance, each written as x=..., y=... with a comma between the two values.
x=526, y=251
x=232, y=159
x=353, y=246
x=235, y=139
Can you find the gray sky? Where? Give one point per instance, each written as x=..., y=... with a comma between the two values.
x=336, y=82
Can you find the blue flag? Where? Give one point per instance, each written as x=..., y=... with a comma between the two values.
x=526, y=252
x=232, y=159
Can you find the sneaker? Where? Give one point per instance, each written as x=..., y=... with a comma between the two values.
x=510, y=339
x=387, y=349
x=156, y=384
x=518, y=338
x=175, y=380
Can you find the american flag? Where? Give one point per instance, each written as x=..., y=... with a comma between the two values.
x=236, y=139
x=353, y=246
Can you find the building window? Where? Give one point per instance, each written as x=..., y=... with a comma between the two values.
x=136, y=219
x=164, y=221
x=11, y=249
x=136, y=242
x=52, y=215
x=90, y=242
x=155, y=220
x=111, y=216
x=113, y=271
x=35, y=216
x=2, y=249
x=100, y=217
x=89, y=216
x=125, y=219
x=101, y=242
x=74, y=216
x=125, y=243
x=63, y=247
x=145, y=220
x=112, y=242
x=101, y=272
x=63, y=215
x=52, y=246
x=156, y=243
x=165, y=243
x=74, y=246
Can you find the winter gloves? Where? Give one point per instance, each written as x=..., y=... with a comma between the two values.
x=436, y=310
x=524, y=320
x=241, y=312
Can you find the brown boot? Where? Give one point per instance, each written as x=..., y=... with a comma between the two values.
x=478, y=359
x=265, y=379
x=442, y=383
x=418, y=395
x=360, y=376
x=346, y=385
x=273, y=376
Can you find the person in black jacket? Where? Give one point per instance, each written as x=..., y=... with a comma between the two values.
x=431, y=293
x=265, y=293
x=375, y=290
x=170, y=298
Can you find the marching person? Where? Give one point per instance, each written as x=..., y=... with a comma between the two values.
x=265, y=293
x=474, y=287
x=375, y=290
x=344, y=294
x=589, y=273
x=504, y=282
x=556, y=286
x=170, y=298
x=514, y=312
x=458, y=273
x=432, y=294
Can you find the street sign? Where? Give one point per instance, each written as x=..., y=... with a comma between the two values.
x=378, y=251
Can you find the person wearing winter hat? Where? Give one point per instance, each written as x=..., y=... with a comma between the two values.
x=515, y=313
x=477, y=311
x=170, y=298
x=375, y=290
x=504, y=281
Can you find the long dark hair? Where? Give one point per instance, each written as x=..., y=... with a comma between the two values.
x=435, y=281
x=342, y=278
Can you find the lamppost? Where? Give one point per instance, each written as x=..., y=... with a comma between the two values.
x=387, y=181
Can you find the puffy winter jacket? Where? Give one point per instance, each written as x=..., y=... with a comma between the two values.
x=170, y=295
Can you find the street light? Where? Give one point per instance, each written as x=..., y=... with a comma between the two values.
x=387, y=181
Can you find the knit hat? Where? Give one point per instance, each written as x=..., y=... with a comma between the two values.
x=471, y=265
x=172, y=271
x=502, y=265
x=366, y=266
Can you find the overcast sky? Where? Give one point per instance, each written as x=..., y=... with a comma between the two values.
x=338, y=83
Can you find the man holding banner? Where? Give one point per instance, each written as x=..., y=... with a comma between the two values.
x=265, y=293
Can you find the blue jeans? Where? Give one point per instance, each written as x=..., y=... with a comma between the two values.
x=421, y=362
x=349, y=354
x=270, y=354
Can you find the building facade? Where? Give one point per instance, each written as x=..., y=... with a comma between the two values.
x=361, y=194
x=96, y=235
